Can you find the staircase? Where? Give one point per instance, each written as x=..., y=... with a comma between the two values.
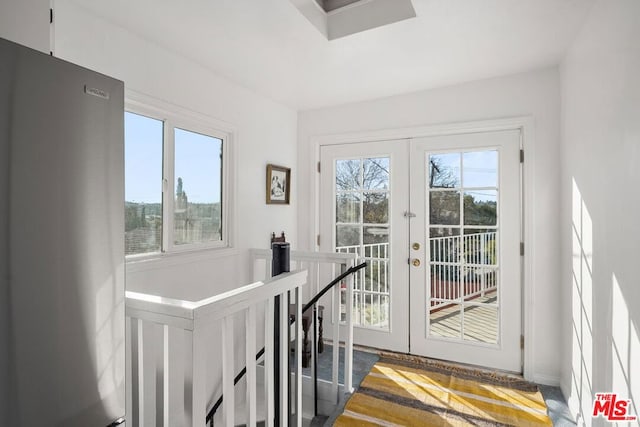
x=184, y=356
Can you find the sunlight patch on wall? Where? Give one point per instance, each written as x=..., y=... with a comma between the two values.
x=625, y=350
x=581, y=396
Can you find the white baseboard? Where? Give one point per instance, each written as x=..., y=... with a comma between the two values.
x=545, y=379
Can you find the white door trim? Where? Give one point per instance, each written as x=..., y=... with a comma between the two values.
x=527, y=125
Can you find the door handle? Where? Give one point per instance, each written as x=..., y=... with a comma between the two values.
x=416, y=262
x=416, y=246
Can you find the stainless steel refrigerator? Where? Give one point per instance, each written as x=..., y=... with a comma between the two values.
x=62, y=248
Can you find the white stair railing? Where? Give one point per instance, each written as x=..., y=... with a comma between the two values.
x=323, y=268
x=169, y=341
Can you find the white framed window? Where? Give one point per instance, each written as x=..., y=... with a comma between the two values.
x=176, y=183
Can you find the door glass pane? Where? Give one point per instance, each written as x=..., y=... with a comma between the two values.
x=481, y=284
x=348, y=208
x=376, y=208
x=197, y=214
x=480, y=207
x=479, y=246
x=362, y=215
x=348, y=175
x=445, y=283
x=347, y=238
x=481, y=323
x=444, y=207
x=376, y=174
x=463, y=287
x=480, y=169
x=444, y=170
x=445, y=321
x=444, y=245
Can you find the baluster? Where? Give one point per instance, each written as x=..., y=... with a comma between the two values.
x=165, y=375
x=195, y=376
x=146, y=373
x=348, y=349
x=447, y=272
x=250, y=363
x=269, y=362
x=228, y=369
x=130, y=364
x=285, y=375
x=173, y=406
x=298, y=360
x=137, y=383
x=336, y=339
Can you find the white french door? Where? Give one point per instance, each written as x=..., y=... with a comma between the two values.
x=364, y=191
x=438, y=221
x=465, y=249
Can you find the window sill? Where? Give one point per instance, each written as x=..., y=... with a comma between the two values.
x=167, y=259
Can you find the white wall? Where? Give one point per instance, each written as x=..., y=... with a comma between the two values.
x=266, y=133
x=532, y=94
x=26, y=22
x=600, y=227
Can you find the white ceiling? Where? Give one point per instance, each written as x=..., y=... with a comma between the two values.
x=269, y=47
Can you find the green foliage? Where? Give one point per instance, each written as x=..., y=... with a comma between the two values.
x=479, y=212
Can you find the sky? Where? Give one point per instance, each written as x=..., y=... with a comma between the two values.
x=197, y=162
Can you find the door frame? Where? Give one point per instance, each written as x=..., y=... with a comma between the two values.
x=523, y=123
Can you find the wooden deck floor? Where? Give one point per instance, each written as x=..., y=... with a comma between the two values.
x=480, y=321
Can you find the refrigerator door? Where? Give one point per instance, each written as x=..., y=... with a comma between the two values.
x=66, y=193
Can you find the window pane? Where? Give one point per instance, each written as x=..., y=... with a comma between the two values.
x=143, y=184
x=198, y=188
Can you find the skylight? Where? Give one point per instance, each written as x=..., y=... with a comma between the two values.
x=340, y=18
x=329, y=5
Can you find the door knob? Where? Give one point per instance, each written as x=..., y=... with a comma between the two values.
x=416, y=246
x=416, y=262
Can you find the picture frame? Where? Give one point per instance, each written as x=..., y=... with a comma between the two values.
x=278, y=186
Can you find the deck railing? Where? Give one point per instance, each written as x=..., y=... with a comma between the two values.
x=462, y=267
x=371, y=286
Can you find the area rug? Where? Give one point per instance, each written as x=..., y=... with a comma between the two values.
x=413, y=393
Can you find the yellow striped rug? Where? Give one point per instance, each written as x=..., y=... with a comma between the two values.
x=404, y=393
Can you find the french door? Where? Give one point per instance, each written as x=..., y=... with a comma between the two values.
x=364, y=187
x=438, y=221
x=465, y=249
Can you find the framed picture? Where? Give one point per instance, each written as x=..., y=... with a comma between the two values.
x=278, y=185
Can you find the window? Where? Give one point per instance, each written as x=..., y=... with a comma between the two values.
x=174, y=185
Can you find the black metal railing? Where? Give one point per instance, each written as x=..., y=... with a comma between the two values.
x=305, y=308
